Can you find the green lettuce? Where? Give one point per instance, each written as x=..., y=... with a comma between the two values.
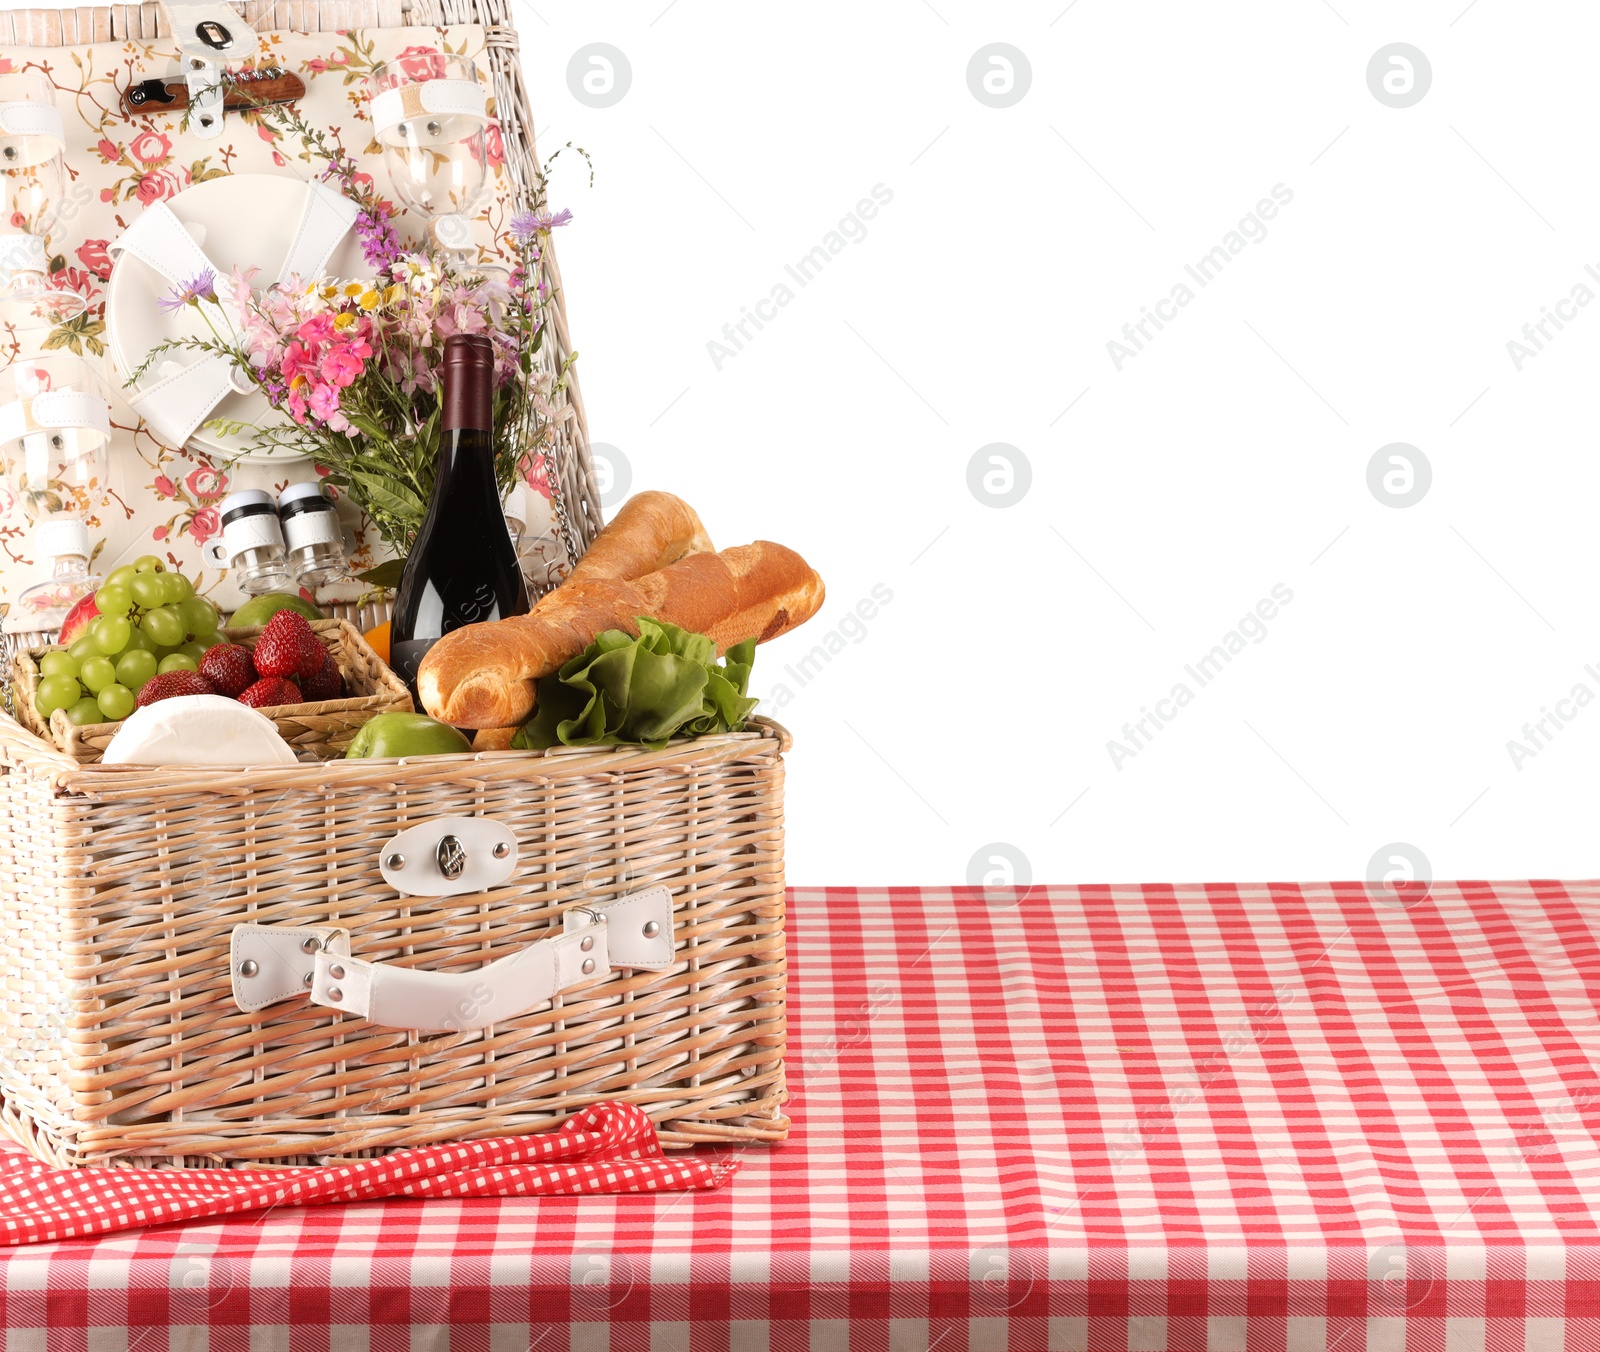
x=647, y=690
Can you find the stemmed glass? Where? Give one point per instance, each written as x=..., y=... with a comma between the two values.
x=55, y=436
x=33, y=181
x=430, y=115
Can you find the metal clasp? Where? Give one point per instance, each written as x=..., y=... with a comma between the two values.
x=452, y=858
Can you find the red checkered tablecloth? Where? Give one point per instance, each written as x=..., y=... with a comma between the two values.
x=1285, y=1118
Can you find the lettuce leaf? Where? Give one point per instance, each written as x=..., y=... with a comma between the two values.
x=647, y=690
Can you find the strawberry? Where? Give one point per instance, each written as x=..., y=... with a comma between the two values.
x=270, y=691
x=173, y=683
x=288, y=647
x=327, y=683
x=227, y=666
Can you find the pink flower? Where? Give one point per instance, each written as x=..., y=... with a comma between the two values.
x=204, y=524
x=266, y=133
x=109, y=150
x=165, y=488
x=150, y=147
x=206, y=482
x=108, y=194
x=536, y=473
x=5, y=65
x=160, y=184
x=421, y=63
x=159, y=533
x=494, y=145
x=316, y=65
x=92, y=253
x=342, y=365
x=340, y=58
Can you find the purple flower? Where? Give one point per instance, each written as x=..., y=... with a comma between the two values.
x=526, y=224
x=379, y=243
x=201, y=287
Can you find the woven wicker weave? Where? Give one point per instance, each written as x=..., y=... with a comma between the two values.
x=323, y=729
x=119, y=1038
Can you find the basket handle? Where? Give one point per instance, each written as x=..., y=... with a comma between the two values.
x=274, y=962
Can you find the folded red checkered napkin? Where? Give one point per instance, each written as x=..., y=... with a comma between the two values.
x=611, y=1147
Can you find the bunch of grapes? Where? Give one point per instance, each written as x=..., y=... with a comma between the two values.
x=150, y=621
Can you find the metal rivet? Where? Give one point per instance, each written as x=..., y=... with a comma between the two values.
x=501, y=850
x=434, y=128
x=588, y=942
x=395, y=861
x=248, y=967
x=311, y=945
x=336, y=972
x=306, y=979
x=588, y=966
x=651, y=929
x=334, y=993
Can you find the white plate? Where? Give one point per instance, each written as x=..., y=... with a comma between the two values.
x=239, y=221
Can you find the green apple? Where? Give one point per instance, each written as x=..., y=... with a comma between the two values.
x=260, y=609
x=387, y=735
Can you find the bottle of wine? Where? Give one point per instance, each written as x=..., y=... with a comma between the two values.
x=462, y=568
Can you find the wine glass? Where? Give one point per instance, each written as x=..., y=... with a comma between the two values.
x=55, y=437
x=430, y=116
x=33, y=182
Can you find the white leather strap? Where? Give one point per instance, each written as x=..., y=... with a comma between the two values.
x=51, y=409
x=30, y=117
x=159, y=239
x=22, y=254
x=200, y=27
x=177, y=404
x=326, y=220
x=633, y=931
x=449, y=856
x=465, y=98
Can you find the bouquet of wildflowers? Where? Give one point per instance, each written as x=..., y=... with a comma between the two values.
x=352, y=361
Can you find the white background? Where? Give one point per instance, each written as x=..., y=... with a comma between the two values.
x=974, y=709
x=1170, y=496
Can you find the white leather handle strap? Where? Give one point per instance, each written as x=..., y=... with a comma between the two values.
x=631, y=932
x=158, y=238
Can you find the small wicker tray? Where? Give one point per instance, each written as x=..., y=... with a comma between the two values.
x=325, y=729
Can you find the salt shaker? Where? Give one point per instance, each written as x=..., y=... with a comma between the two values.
x=251, y=543
x=313, y=534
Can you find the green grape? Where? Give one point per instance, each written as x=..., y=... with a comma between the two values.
x=178, y=662
x=120, y=577
x=179, y=588
x=98, y=673
x=83, y=648
x=116, y=701
x=111, y=600
x=138, y=639
x=86, y=710
x=206, y=642
x=55, y=692
x=110, y=633
x=58, y=664
x=135, y=667
x=148, y=563
x=192, y=649
x=163, y=626
x=150, y=590
x=199, y=616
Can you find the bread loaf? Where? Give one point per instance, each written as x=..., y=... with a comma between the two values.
x=651, y=531
x=483, y=676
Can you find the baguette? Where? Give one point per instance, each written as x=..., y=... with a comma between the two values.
x=651, y=531
x=483, y=676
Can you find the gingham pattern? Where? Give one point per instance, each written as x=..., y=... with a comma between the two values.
x=609, y=1147
x=1274, y=1118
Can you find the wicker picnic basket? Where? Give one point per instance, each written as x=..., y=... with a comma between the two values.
x=297, y=963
